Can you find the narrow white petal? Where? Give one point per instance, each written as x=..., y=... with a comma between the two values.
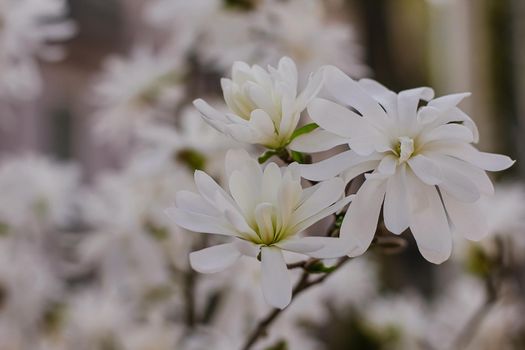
x=271, y=181
x=396, y=208
x=386, y=97
x=200, y=222
x=425, y=169
x=388, y=165
x=332, y=247
x=456, y=183
x=429, y=223
x=212, y=116
x=317, y=141
x=327, y=193
x=466, y=152
x=468, y=219
x=193, y=202
x=330, y=167
x=335, y=118
x=300, y=245
x=360, y=222
x=448, y=101
x=478, y=176
x=261, y=121
x=214, y=259
x=208, y=188
x=407, y=103
x=275, y=278
x=263, y=217
x=448, y=132
x=348, y=91
x=303, y=225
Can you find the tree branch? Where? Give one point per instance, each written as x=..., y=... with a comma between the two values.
x=303, y=284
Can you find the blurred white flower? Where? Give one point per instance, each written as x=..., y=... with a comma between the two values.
x=27, y=284
x=29, y=29
x=296, y=28
x=265, y=105
x=455, y=306
x=134, y=89
x=403, y=314
x=192, y=144
x=36, y=191
x=183, y=20
x=96, y=319
x=265, y=210
x=128, y=256
x=411, y=150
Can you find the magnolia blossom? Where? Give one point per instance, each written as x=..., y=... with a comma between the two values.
x=265, y=210
x=134, y=89
x=299, y=29
x=425, y=173
x=265, y=107
x=27, y=30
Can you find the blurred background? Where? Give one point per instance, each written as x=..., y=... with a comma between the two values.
x=97, y=133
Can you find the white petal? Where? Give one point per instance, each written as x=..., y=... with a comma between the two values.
x=275, y=278
x=300, y=245
x=317, y=141
x=332, y=247
x=429, y=223
x=335, y=118
x=214, y=259
x=360, y=222
x=330, y=167
x=457, y=183
x=208, y=188
x=348, y=91
x=199, y=222
x=396, y=208
x=215, y=118
x=388, y=165
x=468, y=219
x=359, y=169
x=407, y=103
x=448, y=101
x=314, y=85
x=193, y=202
x=386, y=97
x=261, y=121
x=425, y=169
x=448, y=132
x=486, y=161
x=476, y=175
x=264, y=213
x=322, y=214
x=327, y=193
x=271, y=181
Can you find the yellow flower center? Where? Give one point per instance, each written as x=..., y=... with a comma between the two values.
x=404, y=148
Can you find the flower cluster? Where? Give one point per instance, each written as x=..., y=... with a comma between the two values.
x=421, y=171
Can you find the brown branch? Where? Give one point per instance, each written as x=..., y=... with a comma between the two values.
x=303, y=284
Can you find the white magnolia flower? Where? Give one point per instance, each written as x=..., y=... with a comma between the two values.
x=265, y=105
x=36, y=191
x=136, y=88
x=184, y=21
x=27, y=30
x=192, y=142
x=265, y=210
x=426, y=174
x=296, y=28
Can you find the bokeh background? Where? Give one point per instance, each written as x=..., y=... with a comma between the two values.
x=97, y=133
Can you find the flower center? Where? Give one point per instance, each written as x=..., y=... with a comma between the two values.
x=404, y=148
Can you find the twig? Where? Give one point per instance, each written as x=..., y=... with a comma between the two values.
x=302, y=285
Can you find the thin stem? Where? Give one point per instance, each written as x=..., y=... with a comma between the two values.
x=303, y=284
